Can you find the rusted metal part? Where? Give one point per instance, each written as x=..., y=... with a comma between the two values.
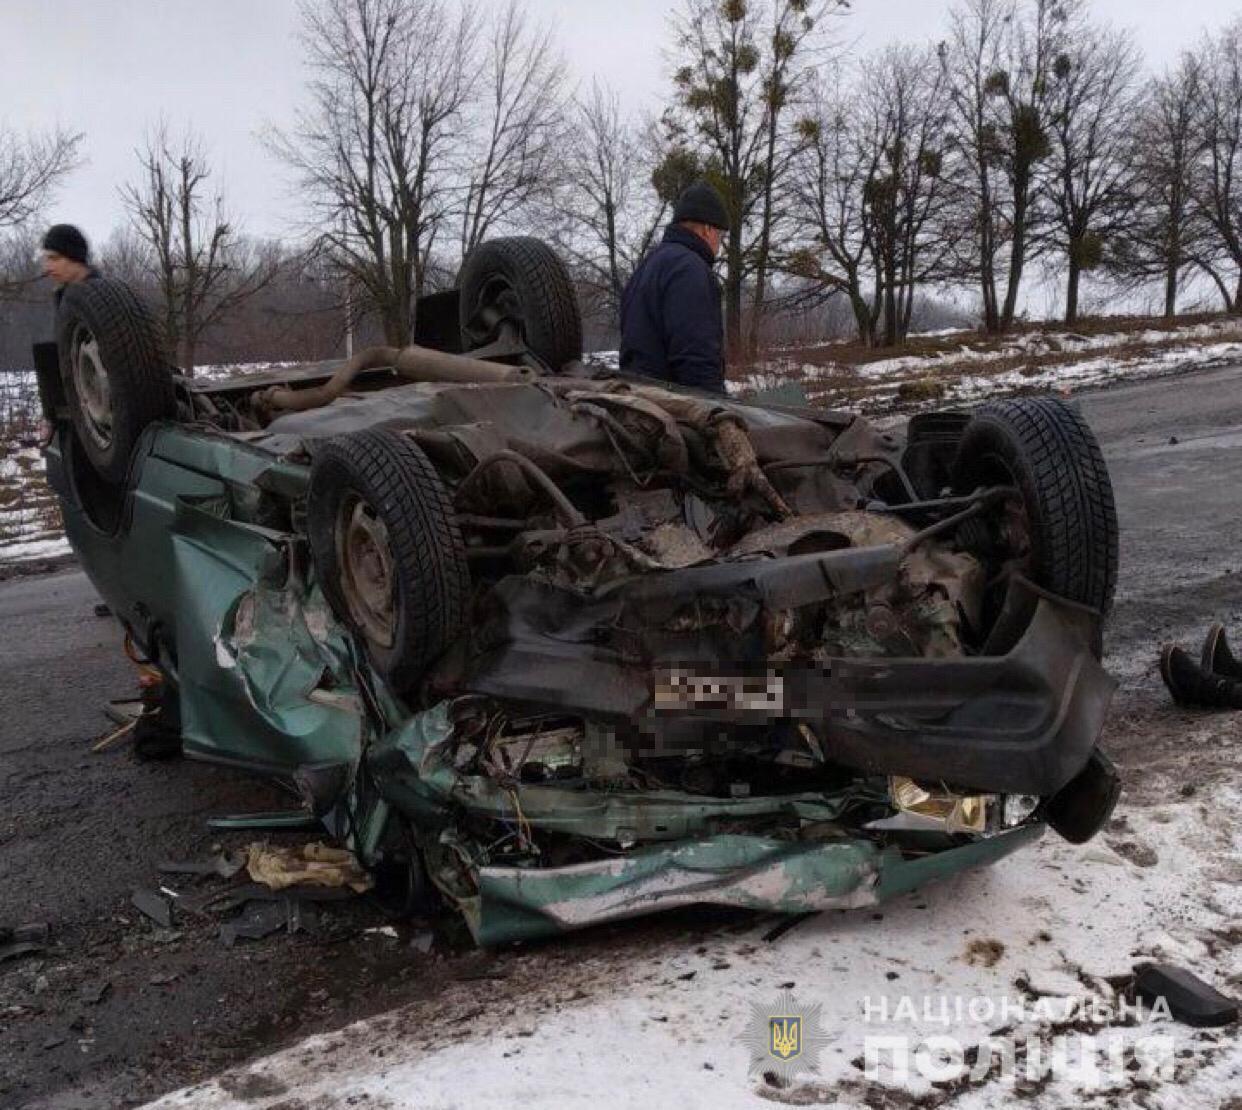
x=564, y=507
x=367, y=575
x=668, y=448
x=416, y=364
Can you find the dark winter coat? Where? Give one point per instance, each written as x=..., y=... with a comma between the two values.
x=671, y=323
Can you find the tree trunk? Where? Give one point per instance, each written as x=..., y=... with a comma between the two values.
x=1170, y=291
x=1071, y=294
x=987, y=259
x=733, y=295
x=1017, y=253
x=890, y=303
x=862, y=318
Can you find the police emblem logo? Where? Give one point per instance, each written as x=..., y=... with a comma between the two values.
x=785, y=1037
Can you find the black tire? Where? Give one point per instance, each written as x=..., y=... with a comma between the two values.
x=1046, y=448
x=426, y=581
x=522, y=281
x=104, y=333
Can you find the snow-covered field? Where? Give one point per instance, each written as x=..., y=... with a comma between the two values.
x=1025, y=958
x=1031, y=362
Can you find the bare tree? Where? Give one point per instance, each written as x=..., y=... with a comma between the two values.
x=903, y=123
x=870, y=183
x=1164, y=234
x=127, y=255
x=378, y=147
x=31, y=167
x=520, y=115
x=1218, y=176
x=744, y=64
x=607, y=210
x=19, y=266
x=203, y=268
x=999, y=58
x=795, y=43
x=1092, y=107
x=828, y=193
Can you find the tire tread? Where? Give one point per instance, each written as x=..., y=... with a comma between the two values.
x=1070, y=493
x=394, y=475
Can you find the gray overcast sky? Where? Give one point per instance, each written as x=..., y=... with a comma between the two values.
x=110, y=67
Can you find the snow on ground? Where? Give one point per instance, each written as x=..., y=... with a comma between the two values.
x=29, y=519
x=953, y=378
x=1023, y=956
x=1035, y=344
x=219, y=371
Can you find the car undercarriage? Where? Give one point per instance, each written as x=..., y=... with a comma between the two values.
x=565, y=646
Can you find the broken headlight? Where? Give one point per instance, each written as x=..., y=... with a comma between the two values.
x=955, y=812
x=1016, y=808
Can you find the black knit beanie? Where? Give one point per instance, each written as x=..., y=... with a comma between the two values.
x=701, y=204
x=67, y=240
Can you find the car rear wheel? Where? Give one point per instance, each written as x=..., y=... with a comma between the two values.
x=388, y=554
x=115, y=372
x=1063, y=531
x=520, y=285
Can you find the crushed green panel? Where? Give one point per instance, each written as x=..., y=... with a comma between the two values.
x=750, y=872
x=230, y=458
x=902, y=876
x=139, y=563
x=244, y=690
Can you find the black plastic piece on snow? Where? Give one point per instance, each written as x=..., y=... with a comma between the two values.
x=1190, y=1000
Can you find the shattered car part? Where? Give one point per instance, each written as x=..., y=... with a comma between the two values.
x=1189, y=998
x=23, y=940
x=569, y=647
x=953, y=812
x=152, y=905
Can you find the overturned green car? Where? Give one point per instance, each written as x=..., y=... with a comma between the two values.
x=567, y=646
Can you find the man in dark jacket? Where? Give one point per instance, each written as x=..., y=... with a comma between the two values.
x=671, y=325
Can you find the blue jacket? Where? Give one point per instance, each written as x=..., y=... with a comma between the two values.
x=671, y=323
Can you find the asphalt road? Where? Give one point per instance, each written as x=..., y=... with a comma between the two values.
x=118, y=1010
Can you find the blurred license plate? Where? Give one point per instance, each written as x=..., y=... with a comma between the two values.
x=681, y=689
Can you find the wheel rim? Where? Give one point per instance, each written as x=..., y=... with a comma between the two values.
x=92, y=386
x=495, y=305
x=365, y=558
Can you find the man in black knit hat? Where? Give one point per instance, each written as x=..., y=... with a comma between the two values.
x=66, y=256
x=671, y=324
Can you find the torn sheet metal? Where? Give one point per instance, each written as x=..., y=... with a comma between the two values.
x=668, y=847
x=742, y=871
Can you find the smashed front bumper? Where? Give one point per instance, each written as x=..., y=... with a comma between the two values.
x=668, y=848
x=728, y=870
